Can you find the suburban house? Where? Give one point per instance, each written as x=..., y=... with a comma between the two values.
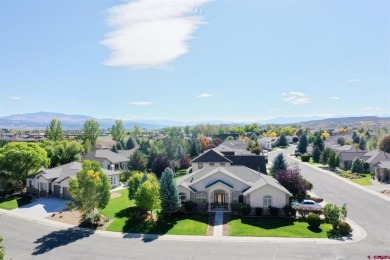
x=213, y=157
x=382, y=171
x=373, y=158
x=224, y=180
x=223, y=137
x=107, y=159
x=236, y=146
x=347, y=154
x=268, y=142
x=127, y=153
x=55, y=182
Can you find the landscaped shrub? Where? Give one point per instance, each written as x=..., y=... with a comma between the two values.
x=259, y=211
x=274, y=211
x=290, y=211
x=344, y=228
x=189, y=206
x=314, y=221
x=305, y=158
x=245, y=209
x=318, y=200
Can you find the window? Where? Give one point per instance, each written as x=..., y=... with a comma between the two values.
x=201, y=197
x=267, y=201
x=200, y=165
x=211, y=164
x=222, y=164
x=183, y=197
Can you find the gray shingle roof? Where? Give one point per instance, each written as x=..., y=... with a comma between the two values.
x=211, y=156
x=384, y=165
x=100, y=155
x=376, y=156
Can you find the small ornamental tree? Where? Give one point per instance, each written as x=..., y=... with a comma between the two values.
x=316, y=155
x=293, y=181
x=169, y=193
x=335, y=214
x=278, y=164
x=333, y=160
x=325, y=155
x=90, y=189
x=185, y=162
x=160, y=163
x=385, y=144
x=133, y=183
x=147, y=196
x=303, y=143
x=357, y=166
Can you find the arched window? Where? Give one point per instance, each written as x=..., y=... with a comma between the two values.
x=267, y=201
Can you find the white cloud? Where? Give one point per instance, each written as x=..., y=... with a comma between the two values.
x=14, y=98
x=372, y=108
x=151, y=33
x=204, y=95
x=353, y=80
x=334, y=98
x=296, y=98
x=141, y=103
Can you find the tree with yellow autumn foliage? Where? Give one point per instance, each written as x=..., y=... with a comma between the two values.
x=90, y=189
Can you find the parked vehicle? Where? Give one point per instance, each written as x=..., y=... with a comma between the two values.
x=306, y=203
x=297, y=153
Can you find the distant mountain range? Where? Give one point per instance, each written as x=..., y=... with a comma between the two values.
x=41, y=120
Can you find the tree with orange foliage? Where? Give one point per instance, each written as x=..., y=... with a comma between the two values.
x=204, y=143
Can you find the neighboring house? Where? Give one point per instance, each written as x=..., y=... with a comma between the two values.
x=347, y=153
x=382, y=171
x=236, y=146
x=127, y=153
x=107, y=159
x=223, y=137
x=226, y=187
x=213, y=157
x=373, y=158
x=268, y=142
x=55, y=182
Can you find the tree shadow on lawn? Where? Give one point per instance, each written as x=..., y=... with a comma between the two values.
x=314, y=230
x=267, y=222
x=21, y=199
x=60, y=238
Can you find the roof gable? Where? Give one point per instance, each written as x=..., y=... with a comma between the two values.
x=211, y=156
x=219, y=181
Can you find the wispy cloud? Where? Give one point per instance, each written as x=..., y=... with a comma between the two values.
x=142, y=103
x=296, y=98
x=15, y=98
x=353, y=80
x=372, y=108
x=151, y=33
x=334, y=98
x=204, y=95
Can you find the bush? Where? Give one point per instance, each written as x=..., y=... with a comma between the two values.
x=305, y=158
x=344, y=228
x=245, y=209
x=314, y=220
x=274, y=211
x=318, y=200
x=259, y=211
x=189, y=206
x=290, y=211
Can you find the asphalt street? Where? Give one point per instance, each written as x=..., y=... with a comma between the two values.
x=25, y=239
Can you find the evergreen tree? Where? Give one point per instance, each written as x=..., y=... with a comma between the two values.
x=325, y=155
x=302, y=146
x=319, y=142
x=278, y=164
x=179, y=152
x=169, y=193
x=362, y=143
x=194, y=147
x=316, y=155
x=333, y=160
x=130, y=144
x=357, y=166
x=282, y=141
x=114, y=149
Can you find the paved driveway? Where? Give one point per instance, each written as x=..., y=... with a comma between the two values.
x=42, y=207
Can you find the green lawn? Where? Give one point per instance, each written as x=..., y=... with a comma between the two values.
x=274, y=227
x=124, y=214
x=14, y=201
x=364, y=180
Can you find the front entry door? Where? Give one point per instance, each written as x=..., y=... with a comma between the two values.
x=219, y=197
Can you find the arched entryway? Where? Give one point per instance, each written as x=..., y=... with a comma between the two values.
x=219, y=197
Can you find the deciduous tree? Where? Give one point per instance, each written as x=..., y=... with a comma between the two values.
x=90, y=189
x=118, y=131
x=90, y=132
x=138, y=161
x=169, y=193
x=62, y=152
x=147, y=196
x=133, y=183
x=293, y=181
x=185, y=162
x=333, y=160
x=160, y=163
x=54, y=131
x=385, y=144
x=19, y=160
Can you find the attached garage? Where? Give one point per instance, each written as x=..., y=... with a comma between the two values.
x=66, y=193
x=57, y=191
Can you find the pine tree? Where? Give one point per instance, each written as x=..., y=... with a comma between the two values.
x=333, y=160
x=282, y=141
x=114, y=149
x=316, y=155
x=357, y=166
x=169, y=193
x=130, y=144
x=362, y=143
x=278, y=164
x=325, y=155
x=302, y=146
x=319, y=142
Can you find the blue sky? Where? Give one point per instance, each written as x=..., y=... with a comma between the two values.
x=196, y=59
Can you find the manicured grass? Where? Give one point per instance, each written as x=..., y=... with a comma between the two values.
x=126, y=219
x=274, y=227
x=364, y=180
x=14, y=201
